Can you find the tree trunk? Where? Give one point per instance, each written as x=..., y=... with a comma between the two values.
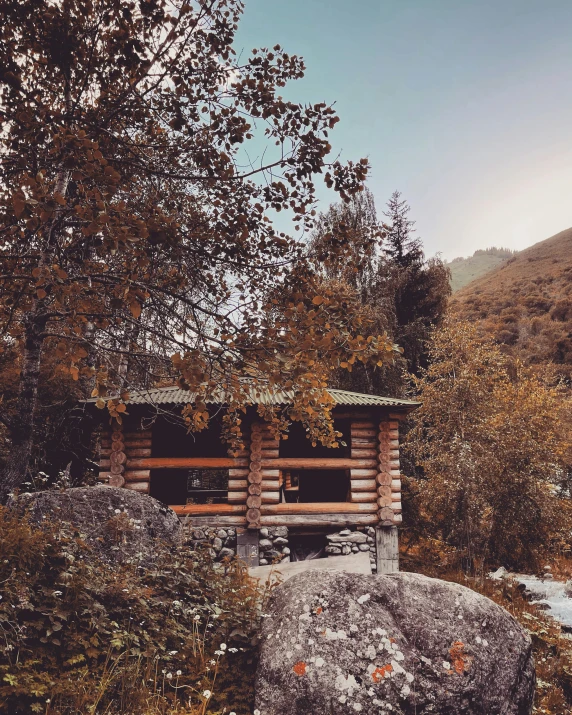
x=17, y=465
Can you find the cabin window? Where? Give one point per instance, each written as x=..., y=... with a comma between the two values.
x=307, y=485
x=196, y=485
x=298, y=444
x=316, y=485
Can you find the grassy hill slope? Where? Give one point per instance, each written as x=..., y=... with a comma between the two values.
x=526, y=303
x=466, y=270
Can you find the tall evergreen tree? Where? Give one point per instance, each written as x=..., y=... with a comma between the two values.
x=401, y=246
x=419, y=287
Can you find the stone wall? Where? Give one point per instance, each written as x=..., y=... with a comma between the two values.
x=221, y=540
x=347, y=542
x=273, y=545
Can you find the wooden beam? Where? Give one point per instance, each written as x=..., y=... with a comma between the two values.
x=319, y=463
x=137, y=475
x=138, y=487
x=184, y=462
x=319, y=520
x=237, y=497
x=270, y=497
x=363, y=433
x=364, y=497
x=319, y=508
x=368, y=453
x=203, y=509
x=363, y=473
x=363, y=485
x=135, y=452
x=214, y=520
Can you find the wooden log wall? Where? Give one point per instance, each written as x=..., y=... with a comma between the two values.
x=254, y=477
x=118, y=450
x=363, y=468
x=389, y=474
x=238, y=476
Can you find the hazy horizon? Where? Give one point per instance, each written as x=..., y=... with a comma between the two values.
x=465, y=108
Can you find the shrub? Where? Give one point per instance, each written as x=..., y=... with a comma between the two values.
x=492, y=444
x=81, y=636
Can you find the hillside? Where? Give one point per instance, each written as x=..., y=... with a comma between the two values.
x=526, y=303
x=465, y=270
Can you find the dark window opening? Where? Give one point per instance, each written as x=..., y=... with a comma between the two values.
x=190, y=486
x=298, y=444
x=313, y=485
x=171, y=439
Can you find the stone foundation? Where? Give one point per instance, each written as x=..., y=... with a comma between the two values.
x=345, y=542
x=273, y=545
x=220, y=540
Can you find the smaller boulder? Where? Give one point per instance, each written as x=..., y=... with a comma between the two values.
x=119, y=524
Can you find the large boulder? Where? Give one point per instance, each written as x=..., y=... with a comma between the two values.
x=341, y=643
x=119, y=524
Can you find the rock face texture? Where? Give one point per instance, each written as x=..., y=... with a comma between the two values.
x=338, y=643
x=119, y=524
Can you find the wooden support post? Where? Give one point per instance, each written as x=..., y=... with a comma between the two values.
x=247, y=546
x=387, y=549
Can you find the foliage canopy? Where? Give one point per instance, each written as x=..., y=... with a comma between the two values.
x=134, y=228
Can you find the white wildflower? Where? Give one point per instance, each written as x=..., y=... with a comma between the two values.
x=207, y=694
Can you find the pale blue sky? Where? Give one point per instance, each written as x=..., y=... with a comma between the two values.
x=463, y=106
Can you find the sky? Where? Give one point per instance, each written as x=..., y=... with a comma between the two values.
x=465, y=106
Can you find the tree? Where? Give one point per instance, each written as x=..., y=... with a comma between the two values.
x=345, y=241
x=420, y=288
x=405, y=294
x=132, y=223
x=401, y=246
x=491, y=442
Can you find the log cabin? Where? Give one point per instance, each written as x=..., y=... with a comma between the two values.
x=274, y=499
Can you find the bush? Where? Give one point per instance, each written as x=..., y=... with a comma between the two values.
x=492, y=447
x=81, y=636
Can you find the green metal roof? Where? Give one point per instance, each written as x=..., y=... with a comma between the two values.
x=262, y=396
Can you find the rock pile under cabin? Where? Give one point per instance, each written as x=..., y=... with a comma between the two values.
x=275, y=500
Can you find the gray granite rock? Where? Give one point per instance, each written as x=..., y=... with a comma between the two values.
x=399, y=644
x=352, y=537
x=119, y=524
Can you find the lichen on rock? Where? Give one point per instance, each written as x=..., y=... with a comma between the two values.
x=398, y=644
